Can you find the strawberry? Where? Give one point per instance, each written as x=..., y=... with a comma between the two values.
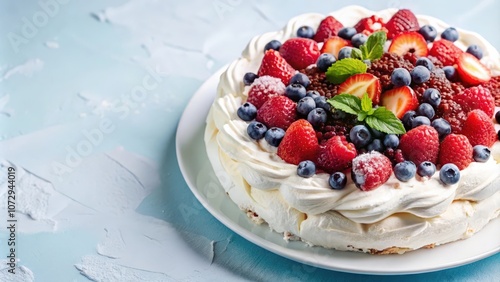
x=299, y=143
x=479, y=129
x=370, y=170
x=359, y=84
x=455, y=149
x=336, y=154
x=445, y=51
x=274, y=65
x=327, y=28
x=399, y=100
x=370, y=24
x=402, y=21
x=476, y=97
x=333, y=45
x=471, y=70
x=420, y=144
x=264, y=88
x=409, y=42
x=278, y=111
x=300, y=52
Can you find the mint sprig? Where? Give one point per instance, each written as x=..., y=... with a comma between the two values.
x=343, y=69
x=373, y=49
x=380, y=118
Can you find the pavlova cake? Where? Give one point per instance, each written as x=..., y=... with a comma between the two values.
x=365, y=131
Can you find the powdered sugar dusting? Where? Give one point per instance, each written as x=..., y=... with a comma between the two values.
x=269, y=84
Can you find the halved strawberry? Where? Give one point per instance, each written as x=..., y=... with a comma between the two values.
x=370, y=24
x=328, y=27
x=274, y=65
x=300, y=52
x=445, y=51
x=362, y=83
x=299, y=143
x=471, y=70
x=333, y=45
x=399, y=100
x=409, y=42
x=402, y=21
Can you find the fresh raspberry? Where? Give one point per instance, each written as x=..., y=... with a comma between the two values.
x=445, y=51
x=455, y=149
x=299, y=143
x=396, y=156
x=454, y=114
x=402, y=21
x=494, y=86
x=300, y=52
x=478, y=98
x=274, y=65
x=420, y=144
x=370, y=170
x=278, y=111
x=264, y=88
x=336, y=154
x=328, y=27
x=479, y=129
x=370, y=24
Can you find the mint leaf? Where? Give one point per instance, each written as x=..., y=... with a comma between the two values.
x=343, y=69
x=385, y=121
x=362, y=116
x=356, y=54
x=375, y=53
x=366, y=103
x=376, y=39
x=364, y=52
x=346, y=102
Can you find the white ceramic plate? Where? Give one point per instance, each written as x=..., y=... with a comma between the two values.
x=201, y=179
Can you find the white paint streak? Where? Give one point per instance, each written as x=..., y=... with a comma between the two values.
x=26, y=69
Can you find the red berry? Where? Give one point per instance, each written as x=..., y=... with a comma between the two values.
x=370, y=170
x=278, y=111
x=445, y=51
x=471, y=70
x=494, y=86
x=274, y=65
x=299, y=143
x=455, y=149
x=362, y=83
x=420, y=144
x=370, y=24
x=328, y=27
x=333, y=45
x=409, y=42
x=300, y=52
x=336, y=154
x=264, y=88
x=402, y=21
x=399, y=100
x=479, y=129
x=476, y=98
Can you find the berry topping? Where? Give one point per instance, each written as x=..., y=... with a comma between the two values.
x=449, y=174
x=445, y=51
x=249, y=78
x=306, y=169
x=476, y=98
x=383, y=68
x=360, y=136
x=375, y=145
x=494, y=86
x=300, y=52
x=274, y=136
x=256, y=130
x=325, y=61
x=471, y=70
x=420, y=120
x=370, y=24
x=264, y=88
x=420, y=144
x=337, y=180
x=423, y=61
x=347, y=32
x=400, y=77
x=336, y=154
x=247, y=111
x=272, y=45
x=345, y=53
x=407, y=119
x=409, y=42
x=295, y=92
x=479, y=129
x=333, y=45
x=399, y=100
x=300, y=78
x=426, y=169
x=404, y=171
x=328, y=27
x=450, y=34
x=274, y=65
x=442, y=126
x=305, y=32
x=359, y=84
x=420, y=74
x=481, y=153
x=451, y=73
x=359, y=39
x=317, y=117
x=391, y=141
x=370, y=170
x=299, y=143
x=428, y=32
x=278, y=111
x=476, y=51
x=432, y=97
x=305, y=105
x=497, y=117
x=402, y=21
x=457, y=150
x=426, y=110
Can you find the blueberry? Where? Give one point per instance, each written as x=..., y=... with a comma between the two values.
x=305, y=32
x=247, y=111
x=449, y=174
x=442, y=126
x=426, y=169
x=376, y=145
x=476, y=51
x=322, y=103
x=317, y=117
x=377, y=134
x=345, y=52
x=313, y=94
x=273, y=44
x=450, y=72
x=347, y=32
x=274, y=136
x=481, y=153
x=249, y=78
x=408, y=119
x=295, y=91
x=338, y=115
x=420, y=120
x=428, y=32
x=400, y=77
x=391, y=141
x=360, y=136
x=405, y=171
x=358, y=39
x=420, y=74
x=337, y=180
x=256, y=130
x=426, y=110
x=432, y=97
x=300, y=78
x=325, y=61
x=498, y=133
x=497, y=117
x=305, y=105
x=450, y=34
x=423, y=61
x=306, y=169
